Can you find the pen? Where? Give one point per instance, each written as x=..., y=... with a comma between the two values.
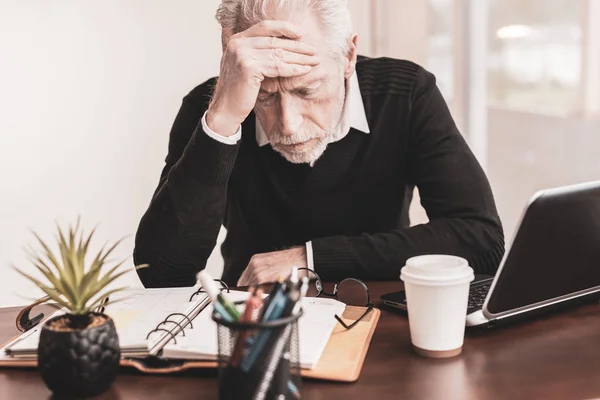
x=298, y=295
x=103, y=305
x=252, y=304
x=278, y=348
x=285, y=383
x=283, y=374
x=223, y=306
x=273, y=311
x=276, y=286
x=292, y=290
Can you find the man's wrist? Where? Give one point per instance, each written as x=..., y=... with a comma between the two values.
x=220, y=123
x=230, y=140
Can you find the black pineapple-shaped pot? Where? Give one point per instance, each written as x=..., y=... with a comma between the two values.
x=78, y=356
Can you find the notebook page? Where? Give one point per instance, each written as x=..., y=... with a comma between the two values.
x=139, y=312
x=200, y=342
x=144, y=309
x=26, y=343
x=314, y=329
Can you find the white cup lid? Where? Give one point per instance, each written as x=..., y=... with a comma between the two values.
x=440, y=268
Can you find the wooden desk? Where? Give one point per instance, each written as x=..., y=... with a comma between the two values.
x=556, y=357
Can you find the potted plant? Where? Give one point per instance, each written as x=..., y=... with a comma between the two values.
x=78, y=350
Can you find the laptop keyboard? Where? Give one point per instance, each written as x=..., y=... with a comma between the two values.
x=477, y=296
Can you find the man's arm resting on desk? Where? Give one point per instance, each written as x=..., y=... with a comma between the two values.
x=454, y=191
x=179, y=230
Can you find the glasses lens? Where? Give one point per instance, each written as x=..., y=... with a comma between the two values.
x=314, y=286
x=352, y=293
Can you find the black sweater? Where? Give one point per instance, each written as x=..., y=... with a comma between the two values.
x=353, y=204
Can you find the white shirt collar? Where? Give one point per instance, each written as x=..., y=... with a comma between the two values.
x=353, y=115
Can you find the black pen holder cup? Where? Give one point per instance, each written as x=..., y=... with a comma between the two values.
x=258, y=360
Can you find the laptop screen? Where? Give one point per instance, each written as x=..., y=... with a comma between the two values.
x=556, y=251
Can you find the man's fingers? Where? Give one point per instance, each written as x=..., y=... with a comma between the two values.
x=281, y=43
x=276, y=68
x=280, y=55
x=273, y=28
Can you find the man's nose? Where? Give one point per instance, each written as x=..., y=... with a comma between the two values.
x=290, y=117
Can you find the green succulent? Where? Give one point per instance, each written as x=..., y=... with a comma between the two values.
x=70, y=283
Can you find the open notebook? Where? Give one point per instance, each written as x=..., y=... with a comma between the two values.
x=188, y=331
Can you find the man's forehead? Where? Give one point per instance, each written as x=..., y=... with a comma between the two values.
x=299, y=82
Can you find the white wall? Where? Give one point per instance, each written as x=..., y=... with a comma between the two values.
x=88, y=93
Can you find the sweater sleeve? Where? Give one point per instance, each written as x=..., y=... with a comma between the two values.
x=454, y=192
x=179, y=230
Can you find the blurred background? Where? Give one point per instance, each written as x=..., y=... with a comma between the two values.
x=522, y=78
x=89, y=90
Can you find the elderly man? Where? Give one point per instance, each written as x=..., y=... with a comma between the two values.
x=308, y=154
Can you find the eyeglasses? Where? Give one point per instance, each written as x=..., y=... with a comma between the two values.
x=350, y=291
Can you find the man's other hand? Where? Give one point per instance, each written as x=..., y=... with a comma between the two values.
x=269, y=267
x=269, y=49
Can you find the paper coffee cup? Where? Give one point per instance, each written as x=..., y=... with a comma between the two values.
x=437, y=293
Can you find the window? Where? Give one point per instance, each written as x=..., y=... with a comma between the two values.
x=534, y=55
x=440, y=57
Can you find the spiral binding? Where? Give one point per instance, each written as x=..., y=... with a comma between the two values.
x=223, y=287
x=165, y=330
x=181, y=325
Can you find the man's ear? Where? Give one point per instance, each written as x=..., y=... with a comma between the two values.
x=350, y=59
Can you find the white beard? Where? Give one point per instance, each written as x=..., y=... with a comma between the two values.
x=323, y=137
x=300, y=157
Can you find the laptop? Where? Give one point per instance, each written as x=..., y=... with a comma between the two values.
x=553, y=261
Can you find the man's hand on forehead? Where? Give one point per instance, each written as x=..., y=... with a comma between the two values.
x=269, y=49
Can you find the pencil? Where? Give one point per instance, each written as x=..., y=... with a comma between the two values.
x=253, y=303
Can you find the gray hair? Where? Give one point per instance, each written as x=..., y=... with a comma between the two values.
x=333, y=15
